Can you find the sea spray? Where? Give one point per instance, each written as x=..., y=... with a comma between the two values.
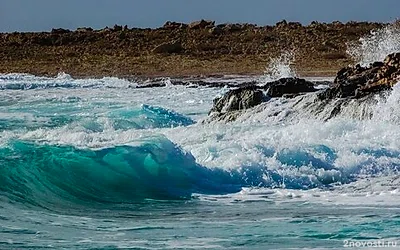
x=376, y=46
x=280, y=67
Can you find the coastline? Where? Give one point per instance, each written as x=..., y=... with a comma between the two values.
x=181, y=50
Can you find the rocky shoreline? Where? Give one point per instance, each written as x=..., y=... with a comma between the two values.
x=353, y=86
x=201, y=48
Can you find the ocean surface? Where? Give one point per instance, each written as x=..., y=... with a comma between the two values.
x=102, y=164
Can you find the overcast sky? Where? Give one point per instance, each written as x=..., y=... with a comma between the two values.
x=42, y=15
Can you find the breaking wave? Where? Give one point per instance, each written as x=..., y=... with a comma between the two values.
x=26, y=82
x=155, y=168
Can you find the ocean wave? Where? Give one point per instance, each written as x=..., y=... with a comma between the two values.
x=78, y=118
x=16, y=81
x=155, y=168
x=148, y=116
x=46, y=175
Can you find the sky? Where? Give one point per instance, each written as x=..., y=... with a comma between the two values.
x=43, y=15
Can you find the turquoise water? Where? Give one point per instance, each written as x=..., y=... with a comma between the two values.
x=98, y=164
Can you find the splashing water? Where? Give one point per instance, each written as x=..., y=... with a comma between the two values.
x=376, y=46
x=280, y=67
x=81, y=162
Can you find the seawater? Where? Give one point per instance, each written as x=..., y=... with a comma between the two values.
x=100, y=164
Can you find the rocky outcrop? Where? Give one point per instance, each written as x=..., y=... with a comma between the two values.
x=351, y=88
x=202, y=24
x=360, y=81
x=289, y=86
x=232, y=104
x=174, y=25
x=84, y=29
x=227, y=107
x=350, y=95
x=60, y=31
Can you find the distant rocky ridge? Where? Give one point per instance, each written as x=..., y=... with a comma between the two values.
x=178, y=49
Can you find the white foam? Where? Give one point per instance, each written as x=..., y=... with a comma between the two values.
x=376, y=46
x=258, y=139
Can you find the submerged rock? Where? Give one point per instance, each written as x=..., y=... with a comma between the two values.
x=358, y=81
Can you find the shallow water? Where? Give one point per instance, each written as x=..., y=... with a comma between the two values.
x=99, y=164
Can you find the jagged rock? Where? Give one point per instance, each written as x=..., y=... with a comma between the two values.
x=294, y=25
x=236, y=100
x=201, y=24
x=289, y=87
x=117, y=28
x=174, y=25
x=169, y=48
x=282, y=23
x=360, y=81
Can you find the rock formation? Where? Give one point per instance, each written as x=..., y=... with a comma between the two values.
x=230, y=106
x=352, y=88
x=201, y=24
x=289, y=86
x=360, y=81
x=226, y=107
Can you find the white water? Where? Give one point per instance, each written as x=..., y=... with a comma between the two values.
x=280, y=67
x=295, y=143
x=376, y=46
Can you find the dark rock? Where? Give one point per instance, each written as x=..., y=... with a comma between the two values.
x=233, y=27
x=60, y=31
x=294, y=25
x=282, y=23
x=237, y=99
x=358, y=81
x=216, y=31
x=117, y=28
x=288, y=87
x=202, y=24
x=84, y=29
x=169, y=48
x=174, y=25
